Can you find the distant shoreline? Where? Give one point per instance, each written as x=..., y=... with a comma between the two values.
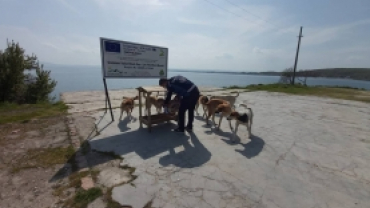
x=362, y=74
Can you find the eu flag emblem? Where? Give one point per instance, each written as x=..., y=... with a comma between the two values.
x=112, y=47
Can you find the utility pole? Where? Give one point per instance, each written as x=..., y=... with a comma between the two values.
x=296, y=55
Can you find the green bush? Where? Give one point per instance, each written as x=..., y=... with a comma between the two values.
x=15, y=84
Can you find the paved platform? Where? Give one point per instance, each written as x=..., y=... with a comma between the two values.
x=86, y=101
x=305, y=152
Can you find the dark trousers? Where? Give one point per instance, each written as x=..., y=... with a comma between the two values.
x=188, y=103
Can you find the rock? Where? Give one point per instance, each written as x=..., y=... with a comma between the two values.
x=15, y=131
x=123, y=164
x=97, y=203
x=113, y=176
x=136, y=197
x=87, y=182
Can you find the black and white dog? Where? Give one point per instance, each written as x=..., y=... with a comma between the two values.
x=244, y=118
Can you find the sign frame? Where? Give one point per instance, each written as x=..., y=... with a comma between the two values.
x=102, y=39
x=107, y=99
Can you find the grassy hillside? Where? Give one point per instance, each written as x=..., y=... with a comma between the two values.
x=344, y=93
x=348, y=73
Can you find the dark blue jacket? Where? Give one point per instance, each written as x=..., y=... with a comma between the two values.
x=179, y=85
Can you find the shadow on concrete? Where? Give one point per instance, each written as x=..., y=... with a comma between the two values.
x=104, y=127
x=221, y=133
x=95, y=130
x=161, y=141
x=142, y=142
x=145, y=145
x=190, y=157
x=122, y=124
x=251, y=149
x=199, y=117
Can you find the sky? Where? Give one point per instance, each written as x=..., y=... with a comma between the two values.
x=235, y=35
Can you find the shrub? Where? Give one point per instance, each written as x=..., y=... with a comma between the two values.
x=15, y=84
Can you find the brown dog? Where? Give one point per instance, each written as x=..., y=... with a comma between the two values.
x=174, y=105
x=128, y=105
x=224, y=110
x=212, y=107
x=229, y=98
x=154, y=100
x=203, y=99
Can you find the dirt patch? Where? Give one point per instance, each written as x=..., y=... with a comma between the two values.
x=31, y=153
x=39, y=165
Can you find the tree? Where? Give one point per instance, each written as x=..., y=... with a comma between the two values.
x=15, y=85
x=286, y=76
x=302, y=77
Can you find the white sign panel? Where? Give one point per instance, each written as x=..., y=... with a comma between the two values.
x=121, y=59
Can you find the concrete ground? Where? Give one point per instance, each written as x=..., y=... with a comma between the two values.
x=304, y=152
x=85, y=101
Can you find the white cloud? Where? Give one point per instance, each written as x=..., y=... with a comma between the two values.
x=69, y=6
x=316, y=36
x=198, y=35
x=69, y=49
x=257, y=50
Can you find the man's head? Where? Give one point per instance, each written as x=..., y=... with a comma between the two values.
x=163, y=82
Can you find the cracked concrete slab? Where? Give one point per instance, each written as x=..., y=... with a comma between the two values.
x=304, y=152
x=113, y=176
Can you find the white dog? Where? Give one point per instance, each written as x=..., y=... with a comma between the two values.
x=244, y=118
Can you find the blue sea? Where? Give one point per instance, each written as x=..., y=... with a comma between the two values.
x=86, y=78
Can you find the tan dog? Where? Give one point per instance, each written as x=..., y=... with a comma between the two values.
x=244, y=118
x=230, y=98
x=154, y=100
x=174, y=105
x=224, y=110
x=203, y=99
x=212, y=106
x=128, y=105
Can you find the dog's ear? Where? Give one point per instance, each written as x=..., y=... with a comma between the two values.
x=234, y=114
x=243, y=118
x=205, y=99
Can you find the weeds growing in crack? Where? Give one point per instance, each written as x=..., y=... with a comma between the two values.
x=84, y=197
x=109, y=200
x=42, y=157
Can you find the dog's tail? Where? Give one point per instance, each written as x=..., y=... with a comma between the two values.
x=237, y=93
x=242, y=105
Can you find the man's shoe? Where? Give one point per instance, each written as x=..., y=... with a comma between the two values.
x=178, y=130
x=189, y=129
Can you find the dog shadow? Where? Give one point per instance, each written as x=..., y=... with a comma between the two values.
x=200, y=118
x=251, y=149
x=222, y=133
x=122, y=124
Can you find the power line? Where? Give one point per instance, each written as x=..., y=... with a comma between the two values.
x=248, y=12
x=228, y=11
x=225, y=9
